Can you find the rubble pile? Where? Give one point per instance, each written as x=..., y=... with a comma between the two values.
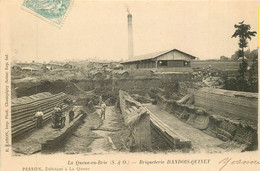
x=210, y=78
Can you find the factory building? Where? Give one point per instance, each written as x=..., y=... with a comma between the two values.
x=172, y=60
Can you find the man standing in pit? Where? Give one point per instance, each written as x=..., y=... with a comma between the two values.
x=100, y=100
x=56, y=116
x=39, y=119
x=71, y=115
x=103, y=110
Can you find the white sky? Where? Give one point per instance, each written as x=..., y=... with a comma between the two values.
x=90, y=30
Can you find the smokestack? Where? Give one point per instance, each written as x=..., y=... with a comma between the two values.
x=130, y=37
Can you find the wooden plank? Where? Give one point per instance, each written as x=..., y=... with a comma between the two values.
x=111, y=142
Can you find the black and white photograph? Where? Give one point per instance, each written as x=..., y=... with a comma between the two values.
x=149, y=78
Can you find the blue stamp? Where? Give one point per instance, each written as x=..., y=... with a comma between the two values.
x=53, y=10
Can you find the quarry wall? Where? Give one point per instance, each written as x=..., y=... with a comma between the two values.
x=218, y=126
x=132, y=84
x=243, y=105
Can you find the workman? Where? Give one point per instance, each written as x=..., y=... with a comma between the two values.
x=39, y=119
x=103, y=110
x=56, y=109
x=71, y=115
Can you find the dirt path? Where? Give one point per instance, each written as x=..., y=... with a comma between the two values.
x=201, y=142
x=80, y=140
x=93, y=136
x=109, y=126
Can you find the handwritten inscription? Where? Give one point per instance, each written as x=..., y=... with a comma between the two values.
x=230, y=161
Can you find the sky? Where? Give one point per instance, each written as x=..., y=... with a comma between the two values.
x=98, y=30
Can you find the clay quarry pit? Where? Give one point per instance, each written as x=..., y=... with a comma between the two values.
x=157, y=113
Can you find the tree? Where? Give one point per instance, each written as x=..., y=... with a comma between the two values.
x=244, y=33
x=224, y=58
x=253, y=75
x=235, y=56
x=247, y=54
x=253, y=55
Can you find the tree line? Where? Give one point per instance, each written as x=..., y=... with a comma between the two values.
x=250, y=56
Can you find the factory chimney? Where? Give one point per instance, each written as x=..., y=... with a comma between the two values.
x=130, y=37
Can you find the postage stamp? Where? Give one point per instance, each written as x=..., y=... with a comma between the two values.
x=52, y=10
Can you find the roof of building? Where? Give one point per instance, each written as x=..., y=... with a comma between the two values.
x=95, y=72
x=30, y=68
x=154, y=55
x=67, y=64
x=120, y=71
x=16, y=66
x=54, y=64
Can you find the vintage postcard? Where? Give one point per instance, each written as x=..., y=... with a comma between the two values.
x=127, y=85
